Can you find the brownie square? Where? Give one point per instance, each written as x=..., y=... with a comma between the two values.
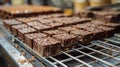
x=46, y=46
x=55, y=24
x=45, y=21
x=15, y=28
x=53, y=32
x=113, y=25
x=80, y=20
x=67, y=29
x=53, y=16
x=66, y=40
x=8, y=23
x=108, y=30
x=97, y=33
x=76, y=20
x=81, y=26
x=39, y=26
x=27, y=11
x=108, y=16
x=29, y=38
x=26, y=20
x=23, y=31
x=82, y=35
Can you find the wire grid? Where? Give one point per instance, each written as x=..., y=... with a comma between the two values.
x=99, y=53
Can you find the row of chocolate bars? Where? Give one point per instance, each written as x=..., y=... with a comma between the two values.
x=52, y=33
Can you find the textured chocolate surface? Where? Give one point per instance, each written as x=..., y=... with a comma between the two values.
x=108, y=16
x=67, y=29
x=16, y=27
x=26, y=20
x=47, y=46
x=82, y=35
x=53, y=32
x=29, y=38
x=55, y=24
x=108, y=30
x=9, y=23
x=23, y=31
x=39, y=26
x=26, y=11
x=67, y=40
x=97, y=33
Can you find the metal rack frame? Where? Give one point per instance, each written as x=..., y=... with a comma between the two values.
x=104, y=53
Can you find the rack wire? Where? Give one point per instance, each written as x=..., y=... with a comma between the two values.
x=100, y=53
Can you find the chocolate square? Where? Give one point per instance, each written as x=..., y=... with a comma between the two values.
x=39, y=26
x=113, y=25
x=46, y=46
x=97, y=33
x=108, y=30
x=108, y=16
x=9, y=23
x=53, y=32
x=23, y=31
x=15, y=28
x=29, y=38
x=82, y=35
x=66, y=40
x=55, y=24
x=67, y=29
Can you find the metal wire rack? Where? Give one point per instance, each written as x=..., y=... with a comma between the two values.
x=100, y=53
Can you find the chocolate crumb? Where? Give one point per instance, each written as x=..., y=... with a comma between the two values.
x=16, y=46
x=23, y=53
x=22, y=61
x=31, y=59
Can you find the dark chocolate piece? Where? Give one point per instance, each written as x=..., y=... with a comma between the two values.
x=27, y=20
x=29, y=38
x=97, y=33
x=108, y=16
x=16, y=27
x=67, y=40
x=55, y=24
x=53, y=32
x=67, y=29
x=47, y=46
x=9, y=23
x=108, y=30
x=82, y=35
x=23, y=31
x=39, y=26
x=26, y=11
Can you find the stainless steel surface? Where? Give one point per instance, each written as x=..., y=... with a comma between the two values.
x=13, y=56
x=98, y=53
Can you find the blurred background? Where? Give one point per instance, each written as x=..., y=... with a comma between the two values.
x=68, y=5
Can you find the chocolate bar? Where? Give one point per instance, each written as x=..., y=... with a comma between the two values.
x=108, y=30
x=82, y=35
x=67, y=29
x=29, y=38
x=39, y=26
x=47, y=46
x=9, y=23
x=23, y=31
x=15, y=28
x=108, y=16
x=8, y=12
x=53, y=32
x=66, y=40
